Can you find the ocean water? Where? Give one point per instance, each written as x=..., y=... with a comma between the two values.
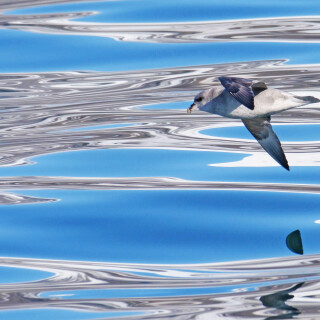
x=117, y=204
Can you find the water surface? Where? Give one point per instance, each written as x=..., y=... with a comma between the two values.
x=115, y=203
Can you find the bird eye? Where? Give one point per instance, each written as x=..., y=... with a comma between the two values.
x=199, y=99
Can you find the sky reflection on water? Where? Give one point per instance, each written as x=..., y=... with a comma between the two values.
x=285, y=133
x=47, y=52
x=131, y=11
x=178, y=194
x=119, y=225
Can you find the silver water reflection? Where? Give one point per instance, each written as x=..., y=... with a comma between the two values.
x=39, y=114
x=282, y=29
x=10, y=198
x=40, y=110
x=41, y=107
x=251, y=289
x=8, y=4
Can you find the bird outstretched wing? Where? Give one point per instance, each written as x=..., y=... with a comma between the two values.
x=261, y=129
x=240, y=89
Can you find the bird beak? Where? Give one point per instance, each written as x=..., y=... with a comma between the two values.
x=189, y=110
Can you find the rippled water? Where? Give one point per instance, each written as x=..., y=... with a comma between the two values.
x=115, y=203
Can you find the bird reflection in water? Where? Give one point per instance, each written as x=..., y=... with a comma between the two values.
x=278, y=299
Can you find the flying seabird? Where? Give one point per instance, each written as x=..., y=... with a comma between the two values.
x=253, y=103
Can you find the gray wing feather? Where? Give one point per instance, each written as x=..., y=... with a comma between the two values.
x=261, y=129
x=240, y=89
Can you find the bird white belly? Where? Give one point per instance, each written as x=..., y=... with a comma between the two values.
x=268, y=102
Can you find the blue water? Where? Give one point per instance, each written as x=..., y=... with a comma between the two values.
x=124, y=163
x=13, y=275
x=183, y=164
x=285, y=133
x=47, y=52
x=52, y=314
x=43, y=52
x=176, y=11
x=95, y=136
x=100, y=294
x=167, y=106
x=153, y=226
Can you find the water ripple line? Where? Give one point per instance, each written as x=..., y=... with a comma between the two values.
x=39, y=110
x=280, y=29
x=255, y=287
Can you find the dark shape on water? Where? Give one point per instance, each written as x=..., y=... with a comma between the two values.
x=278, y=300
x=294, y=242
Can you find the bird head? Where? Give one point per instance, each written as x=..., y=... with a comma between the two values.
x=201, y=99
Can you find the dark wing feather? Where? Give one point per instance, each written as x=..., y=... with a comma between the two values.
x=261, y=129
x=258, y=87
x=240, y=89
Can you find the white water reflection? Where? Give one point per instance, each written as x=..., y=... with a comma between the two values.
x=162, y=291
x=282, y=29
x=44, y=115
x=44, y=103
x=308, y=159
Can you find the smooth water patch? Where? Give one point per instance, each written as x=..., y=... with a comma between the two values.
x=124, y=163
x=50, y=52
x=183, y=164
x=296, y=132
x=183, y=105
x=54, y=314
x=175, y=11
x=159, y=226
x=14, y=275
x=145, y=292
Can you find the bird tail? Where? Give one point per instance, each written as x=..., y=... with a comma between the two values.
x=308, y=99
